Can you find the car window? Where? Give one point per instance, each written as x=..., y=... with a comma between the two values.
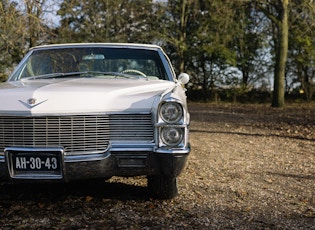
x=71, y=60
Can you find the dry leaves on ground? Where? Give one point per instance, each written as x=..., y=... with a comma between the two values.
x=251, y=167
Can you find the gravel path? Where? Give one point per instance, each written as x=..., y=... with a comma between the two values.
x=251, y=167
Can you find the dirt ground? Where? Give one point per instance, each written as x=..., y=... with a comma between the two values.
x=251, y=167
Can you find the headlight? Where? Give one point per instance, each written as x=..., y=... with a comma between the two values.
x=171, y=136
x=171, y=112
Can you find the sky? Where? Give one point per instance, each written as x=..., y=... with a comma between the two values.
x=51, y=15
x=51, y=7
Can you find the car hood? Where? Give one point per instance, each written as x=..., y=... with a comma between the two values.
x=81, y=95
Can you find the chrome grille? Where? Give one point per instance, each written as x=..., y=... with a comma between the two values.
x=74, y=133
x=77, y=134
x=131, y=127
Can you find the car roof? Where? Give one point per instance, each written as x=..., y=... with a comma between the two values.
x=109, y=45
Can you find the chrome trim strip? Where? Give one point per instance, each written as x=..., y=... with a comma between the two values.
x=134, y=149
x=173, y=151
x=98, y=157
x=13, y=113
x=171, y=125
x=49, y=149
x=94, y=157
x=98, y=44
x=32, y=176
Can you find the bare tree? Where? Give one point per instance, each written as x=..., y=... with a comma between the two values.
x=175, y=18
x=278, y=13
x=11, y=40
x=301, y=70
x=38, y=32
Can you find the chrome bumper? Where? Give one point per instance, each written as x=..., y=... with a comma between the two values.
x=115, y=162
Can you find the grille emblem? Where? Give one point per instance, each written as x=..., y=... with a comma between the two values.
x=31, y=103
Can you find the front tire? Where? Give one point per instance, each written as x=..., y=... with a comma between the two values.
x=162, y=187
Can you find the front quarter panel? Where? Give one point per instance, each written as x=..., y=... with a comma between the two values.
x=176, y=95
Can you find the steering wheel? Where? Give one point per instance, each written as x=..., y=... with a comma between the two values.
x=134, y=71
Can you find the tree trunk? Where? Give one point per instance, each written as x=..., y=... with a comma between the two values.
x=182, y=37
x=278, y=99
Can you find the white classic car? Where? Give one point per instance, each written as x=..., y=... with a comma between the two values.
x=96, y=110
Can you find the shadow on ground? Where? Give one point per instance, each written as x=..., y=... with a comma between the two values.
x=56, y=192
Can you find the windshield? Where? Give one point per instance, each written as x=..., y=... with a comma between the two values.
x=91, y=61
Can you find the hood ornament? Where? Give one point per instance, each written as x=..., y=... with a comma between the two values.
x=31, y=103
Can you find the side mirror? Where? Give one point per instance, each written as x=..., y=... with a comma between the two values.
x=183, y=78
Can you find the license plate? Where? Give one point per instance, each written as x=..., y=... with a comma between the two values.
x=35, y=164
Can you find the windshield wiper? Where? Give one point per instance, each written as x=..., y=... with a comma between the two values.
x=83, y=73
x=114, y=74
x=53, y=75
